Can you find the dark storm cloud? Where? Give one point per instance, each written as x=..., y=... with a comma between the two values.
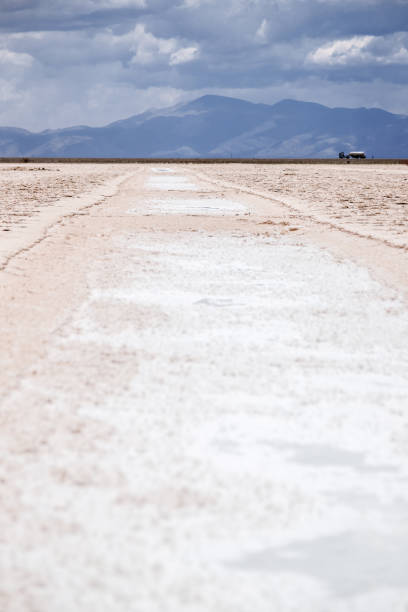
x=287, y=19
x=71, y=61
x=38, y=15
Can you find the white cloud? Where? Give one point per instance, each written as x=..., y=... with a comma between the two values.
x=262, y=31
x=187, y=54
x=8, y=92
x=191, y=3
x=384, y=50
x=341, y=51
x=11, y=58
x=195, y=4
x=147, y=48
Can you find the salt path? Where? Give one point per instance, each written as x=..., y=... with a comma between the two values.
x=203, y=411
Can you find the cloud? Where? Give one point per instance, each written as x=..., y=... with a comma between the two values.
x=182, y=56
x=262, y=32
x=10, y=58
x=363, y=50
x=148, y=48
x=94, y=61
x=8, y=92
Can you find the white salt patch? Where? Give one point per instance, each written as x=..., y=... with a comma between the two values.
x=258, y=445
x=171, y=183
x=210, y=206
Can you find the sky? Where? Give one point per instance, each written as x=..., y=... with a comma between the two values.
x=90, y=62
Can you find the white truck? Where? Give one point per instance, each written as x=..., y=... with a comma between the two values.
x=353, y=155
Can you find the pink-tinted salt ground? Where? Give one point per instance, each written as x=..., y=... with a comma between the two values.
x=203, y=402
x=26, y=190
x=367, y=200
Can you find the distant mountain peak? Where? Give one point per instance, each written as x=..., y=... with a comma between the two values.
x=291, y=103
x=222, y=126
x=211, y=101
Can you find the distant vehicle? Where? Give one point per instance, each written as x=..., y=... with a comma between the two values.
x=357, y=155
x=353, y=155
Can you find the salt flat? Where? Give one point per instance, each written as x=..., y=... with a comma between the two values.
x=203, y=405
x=369, y=201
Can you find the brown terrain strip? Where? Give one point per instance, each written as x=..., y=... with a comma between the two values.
x=194, y=160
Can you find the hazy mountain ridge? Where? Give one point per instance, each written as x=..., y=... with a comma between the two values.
x=216, y=126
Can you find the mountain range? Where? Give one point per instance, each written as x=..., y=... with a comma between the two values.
x=218, y=126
